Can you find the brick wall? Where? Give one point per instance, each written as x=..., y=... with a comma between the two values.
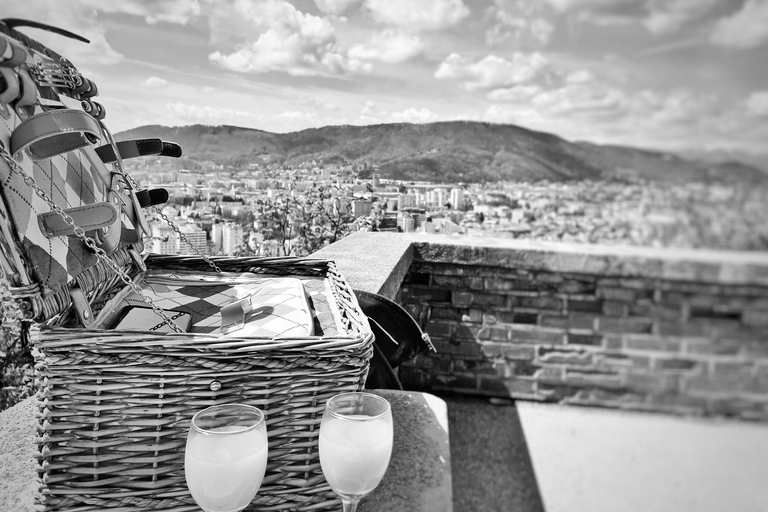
x=646, y=330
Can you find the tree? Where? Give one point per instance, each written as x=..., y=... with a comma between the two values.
x=273, y=217
x=303, y=223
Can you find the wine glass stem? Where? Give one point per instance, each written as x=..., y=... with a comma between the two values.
x=349, y=504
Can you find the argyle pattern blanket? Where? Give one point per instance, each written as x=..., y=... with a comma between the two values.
x=272, y=307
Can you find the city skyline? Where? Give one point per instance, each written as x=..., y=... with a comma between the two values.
x=675, y=75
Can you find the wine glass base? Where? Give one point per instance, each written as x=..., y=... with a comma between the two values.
x=350, y=501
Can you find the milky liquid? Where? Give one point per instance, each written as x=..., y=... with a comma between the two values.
x=224, y=472
x=354, y=455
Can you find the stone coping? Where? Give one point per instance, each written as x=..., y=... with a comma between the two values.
x=376, y=261
x=372, y=262
x=418, y=478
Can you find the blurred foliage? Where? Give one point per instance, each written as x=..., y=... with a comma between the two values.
x=304, y=221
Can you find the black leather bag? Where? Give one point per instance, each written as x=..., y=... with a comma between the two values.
x=398, y=338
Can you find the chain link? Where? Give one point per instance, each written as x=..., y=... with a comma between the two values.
x=185, y=239
x=129, y=179
x=89, y=242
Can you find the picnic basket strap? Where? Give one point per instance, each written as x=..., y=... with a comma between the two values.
x=52, y=133
x=80, y=233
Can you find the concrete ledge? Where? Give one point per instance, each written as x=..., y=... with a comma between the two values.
x=601, y=460
x=709, y=266
x=418, y=478
x=372, y=262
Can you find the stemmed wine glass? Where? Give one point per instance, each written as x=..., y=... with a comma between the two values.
x=226, y=456
x=355, y=444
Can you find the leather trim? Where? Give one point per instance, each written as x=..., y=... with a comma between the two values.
x=152, y=197
x=55, y=132
x=83, y=308
x=139, y=147
x=89, y=217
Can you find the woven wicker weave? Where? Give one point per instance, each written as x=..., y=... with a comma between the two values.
x=115, y=406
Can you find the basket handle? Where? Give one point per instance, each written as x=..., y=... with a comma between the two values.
x=52, y=133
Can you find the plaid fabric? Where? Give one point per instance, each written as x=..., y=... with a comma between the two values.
x=279, y=305
x=70, y=180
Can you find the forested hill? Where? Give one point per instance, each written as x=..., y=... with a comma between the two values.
x=457, y=151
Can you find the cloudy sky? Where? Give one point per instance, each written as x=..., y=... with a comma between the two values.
x=667, y=74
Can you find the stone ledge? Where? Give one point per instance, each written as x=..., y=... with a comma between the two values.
x=705, y=266
x=418, y=479
x=372, y=262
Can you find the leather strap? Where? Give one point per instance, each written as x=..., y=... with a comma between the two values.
x=55, y=132
x=16, y=22
x=152, y=197
x=82, y=308
x=11, y=81
x=17, y=54
x=28, y=89
x=137, y=148
x=128, y=235
x=233, y=315
x=88, y=217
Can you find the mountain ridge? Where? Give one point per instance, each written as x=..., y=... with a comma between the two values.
x=447, y=151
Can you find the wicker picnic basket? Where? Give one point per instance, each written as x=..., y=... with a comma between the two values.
x=115, y=406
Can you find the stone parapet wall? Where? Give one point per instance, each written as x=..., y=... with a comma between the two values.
x=674, y=331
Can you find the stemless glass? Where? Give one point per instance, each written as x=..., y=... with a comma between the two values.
x=355, y=444
x=226, y=456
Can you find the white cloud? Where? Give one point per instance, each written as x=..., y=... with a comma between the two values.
x=415, y=115
x=746, y=28
x=668, y=16
x=519, y=21
x=389, y=46
x=297, y=114
x=493, y=71
x=514, y=94
x=680, y=106
x=579, y=77
x=169, y=11
x=334, y=6
x=318, y=103
x=75, y=16
x=154, y=82
x=371, y=113
x=757, y=104
x=542, y=30
x=206, y=115
x=657, y=16
x=567, y=5
x=589, y=100
x=278, y=38
x=417, y=14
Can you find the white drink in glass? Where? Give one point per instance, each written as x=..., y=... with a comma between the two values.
x=355, y=444
x=354, y=454
x=225, y=465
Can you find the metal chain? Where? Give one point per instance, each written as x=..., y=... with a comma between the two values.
x=173, y=226
x=185, y=239
x=89, y=242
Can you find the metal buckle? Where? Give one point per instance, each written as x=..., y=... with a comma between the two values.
x=54, y=74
